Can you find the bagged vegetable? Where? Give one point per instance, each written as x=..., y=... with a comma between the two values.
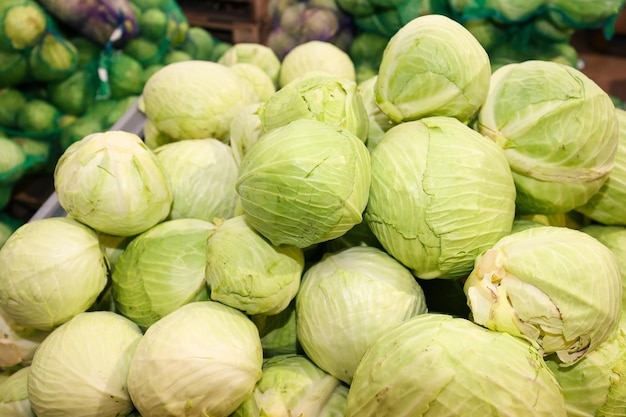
x=53, y=58
x=22, y=24
x=95, y=19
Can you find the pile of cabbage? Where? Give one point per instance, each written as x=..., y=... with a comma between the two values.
x=284, y=241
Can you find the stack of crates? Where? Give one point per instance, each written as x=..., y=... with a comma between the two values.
x=234, y=21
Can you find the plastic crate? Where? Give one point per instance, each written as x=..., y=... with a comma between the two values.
x=132, y=121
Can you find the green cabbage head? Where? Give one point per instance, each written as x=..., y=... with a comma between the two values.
x=442, y=216
x=607, y=205
x=113, y=183
x=436, y=365
x=292, y=385
x=17, y=343
x=558, y=130
x=51, y=269
x=161, y=270
x=81, y=368
x=596, y=386
x=246, y=272
x=432, y=66
x=349, y=299
x=202, y=175
x=557, y=287
x=202, y=359
x=315, y=56
x=14, y=395
x=195, y=99
x=256, y=54
x=304, y=183
x=245, y=129
x=323, y=97
x=614, y=238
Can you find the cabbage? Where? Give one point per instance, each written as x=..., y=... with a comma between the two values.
x=202, y=174
x=304, y=183
x=12, y=161
x=607, y=205
x=152, y=137
x=38, y=116
x=503, y=11
x=379, y=122
x=261, y=83
x=596, y=386
x=291, y=385
x=17, y=343
x=52, y=58
x=11, y=101
x=347, y=300
x=614, y=238
x=202, y=359
x=245, y=129
x=199, y=43
x=112, y=182
x=152, y=23
x=432, y=66
x=175, y=55
x=557, y=287
x=315, y=56
x=246, y=272
x=161, y=270
x=558, y=130
x=125, y=76
x=441, y=218
x=322, y=97
x=113, y=246
x=51, y=269
x=14, y=395
x=256, y=54
x=437, y=365
x=278, y=331
x=195, y=99
x=580, y=14
x=80, y=369
x=22, y=24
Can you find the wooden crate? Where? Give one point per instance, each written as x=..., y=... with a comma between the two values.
x=233, y=21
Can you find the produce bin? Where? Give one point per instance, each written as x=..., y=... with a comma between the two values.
x=132, y=121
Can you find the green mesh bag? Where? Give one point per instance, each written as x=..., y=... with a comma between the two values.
x=13, y=68
x=35, y=118
x=74, y=94
x=53, y=58
x=22, y=24
x=384, y=22
x=585, y=14
x=410, y=9
x=367, y=49
x=5, y=198
x=507, y=11
x=11, y=101
x=146, y=51
x=199, y=43
x=13, y=161
x=38, y=154
x=78, y=129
